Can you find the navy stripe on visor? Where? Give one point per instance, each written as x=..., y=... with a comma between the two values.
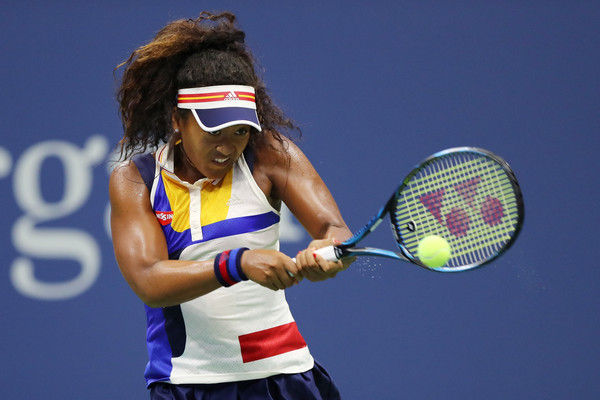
x=218, y=118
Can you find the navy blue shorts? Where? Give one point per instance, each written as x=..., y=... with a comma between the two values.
x=314, y=384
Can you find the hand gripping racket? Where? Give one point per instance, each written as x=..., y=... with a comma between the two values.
x=468, y=196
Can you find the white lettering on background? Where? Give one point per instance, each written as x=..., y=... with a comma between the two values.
x=33, y=241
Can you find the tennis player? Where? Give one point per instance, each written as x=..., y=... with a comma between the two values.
x=195, y=221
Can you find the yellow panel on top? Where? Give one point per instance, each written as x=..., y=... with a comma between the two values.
x=179, y=199
x=215, y=200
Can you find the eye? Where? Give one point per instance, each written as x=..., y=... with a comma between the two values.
x=242, y=131
x=214, y=133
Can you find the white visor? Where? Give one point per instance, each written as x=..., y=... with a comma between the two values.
x=217, y=107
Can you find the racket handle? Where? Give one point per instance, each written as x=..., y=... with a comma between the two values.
x=328, y=253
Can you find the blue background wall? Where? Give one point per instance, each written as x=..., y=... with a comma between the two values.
x=376, y=86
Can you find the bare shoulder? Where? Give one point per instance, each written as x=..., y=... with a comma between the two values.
x=281, y=164
x=126, y=184
x=277, y=157
x=125, y=173
x=274, y=160
x=270, y=150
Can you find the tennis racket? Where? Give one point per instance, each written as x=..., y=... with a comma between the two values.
x=467, y=195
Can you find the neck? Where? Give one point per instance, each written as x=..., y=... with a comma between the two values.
x=188, y=168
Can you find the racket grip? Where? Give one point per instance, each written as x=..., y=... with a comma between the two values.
x=328, y=253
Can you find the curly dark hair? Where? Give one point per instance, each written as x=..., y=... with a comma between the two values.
x=205, y=51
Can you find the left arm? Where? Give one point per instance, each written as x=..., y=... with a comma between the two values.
x=287, y=175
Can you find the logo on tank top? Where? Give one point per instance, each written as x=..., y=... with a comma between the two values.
x=164, y=217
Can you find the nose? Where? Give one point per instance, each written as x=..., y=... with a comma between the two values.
x=226, y=148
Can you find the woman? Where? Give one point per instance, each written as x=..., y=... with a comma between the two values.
x=195, y=224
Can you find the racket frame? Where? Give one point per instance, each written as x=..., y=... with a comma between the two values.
x=348, y=247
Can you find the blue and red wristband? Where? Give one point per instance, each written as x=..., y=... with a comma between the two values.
x=228, y=267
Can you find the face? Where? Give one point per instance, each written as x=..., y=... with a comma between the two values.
x=213, y=153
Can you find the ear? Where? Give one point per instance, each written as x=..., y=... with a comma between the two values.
x=176, y=120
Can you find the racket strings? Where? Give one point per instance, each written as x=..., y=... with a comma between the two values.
x=478, y=238
x=462, y=221
x=466, y=198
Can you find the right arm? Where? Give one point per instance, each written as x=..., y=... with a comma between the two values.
x=141, y=250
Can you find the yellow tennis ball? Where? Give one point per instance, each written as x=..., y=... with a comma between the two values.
x=434, y=251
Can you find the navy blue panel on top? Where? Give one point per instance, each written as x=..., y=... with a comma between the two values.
x=145, y=163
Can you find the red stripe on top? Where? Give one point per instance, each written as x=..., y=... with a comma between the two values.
x=271, y=342
x=223, y=268
x=208, y=97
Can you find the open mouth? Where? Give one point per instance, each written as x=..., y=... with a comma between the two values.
x=221, y=161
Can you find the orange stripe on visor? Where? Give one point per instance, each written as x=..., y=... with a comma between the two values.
x=218, y=107
x=271, y=342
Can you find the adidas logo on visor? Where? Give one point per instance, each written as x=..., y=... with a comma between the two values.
x=231, y=96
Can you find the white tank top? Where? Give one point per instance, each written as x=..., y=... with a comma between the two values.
x=231, y=334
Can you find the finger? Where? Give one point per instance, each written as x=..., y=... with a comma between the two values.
x=295, y=271
x=270, y=286
x=312, y=270
x=280, y=276
x=347, y=261
x=292, y=269
x=327, y=265
x=327, y=269
x=292, y=274
x=280, y=279
x=304, y=262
